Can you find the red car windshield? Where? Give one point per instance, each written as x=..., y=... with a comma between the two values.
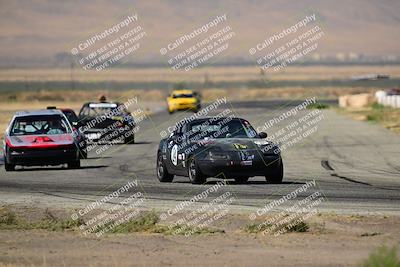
x=36, y=125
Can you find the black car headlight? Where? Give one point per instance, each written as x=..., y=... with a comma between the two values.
x=16, y=153
x=268, y=148
x=271, y=150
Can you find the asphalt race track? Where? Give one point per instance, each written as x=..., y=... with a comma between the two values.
x=356, y=166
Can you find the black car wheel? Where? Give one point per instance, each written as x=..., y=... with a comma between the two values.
x=162, y=173
x=74, y=164
x=194, y=172
x=82, y=149
x=83, y=153
x=130, y=139
x=275, y=174
x=241, y=180
x=8, y=167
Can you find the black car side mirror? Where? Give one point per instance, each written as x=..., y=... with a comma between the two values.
x=174, y=135
x=262, y=135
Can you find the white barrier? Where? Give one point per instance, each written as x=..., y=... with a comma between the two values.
x=388, y=100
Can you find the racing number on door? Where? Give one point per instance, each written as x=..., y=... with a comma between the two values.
x=174, y=155
x=177, y=157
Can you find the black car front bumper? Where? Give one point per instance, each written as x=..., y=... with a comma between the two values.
x=104, y=136
x=260, y=165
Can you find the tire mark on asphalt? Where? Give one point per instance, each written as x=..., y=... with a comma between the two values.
x=353, y=165
x=378, y=151
x=326, y=165
x=331, y=149
x=351, y=180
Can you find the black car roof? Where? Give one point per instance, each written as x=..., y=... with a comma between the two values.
x=208, y=118
x=213, y=117
x=96, y=102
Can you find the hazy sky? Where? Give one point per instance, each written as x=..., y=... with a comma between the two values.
x=41, y=29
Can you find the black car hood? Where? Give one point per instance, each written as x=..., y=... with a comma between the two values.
x=234, y=144
x=90, y=125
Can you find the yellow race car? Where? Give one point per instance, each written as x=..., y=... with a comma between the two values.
x=183, y=100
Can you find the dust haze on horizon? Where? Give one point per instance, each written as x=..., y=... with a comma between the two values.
x=39, y=30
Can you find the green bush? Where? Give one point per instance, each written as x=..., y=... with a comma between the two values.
x=300, y=227
x=377, y=106
x=317, y=105
x=7, y=217
x=383, y=257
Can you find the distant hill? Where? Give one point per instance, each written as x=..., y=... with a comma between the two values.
x=40, y=31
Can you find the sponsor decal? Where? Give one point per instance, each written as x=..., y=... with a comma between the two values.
x=244, y=155
x=240, y=146
x=117, y=118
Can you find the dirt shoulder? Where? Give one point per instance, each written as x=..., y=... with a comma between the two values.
x=330, y=240
x=376, y=113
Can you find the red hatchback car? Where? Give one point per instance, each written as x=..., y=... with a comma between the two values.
x=40, y=138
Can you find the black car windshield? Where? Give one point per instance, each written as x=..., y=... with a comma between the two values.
x=108, y=109
x=40, y=124
x=233, y=128
x=183, y=96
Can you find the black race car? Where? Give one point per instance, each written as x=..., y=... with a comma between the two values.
x=38, y=138
x=218, y=147
x=106, y=122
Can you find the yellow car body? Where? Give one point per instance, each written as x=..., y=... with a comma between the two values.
x=183, y=100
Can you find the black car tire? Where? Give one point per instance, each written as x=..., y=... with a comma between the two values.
x=162, y=173
x=194, y=172
x=8, y=167
x=275, y=175
x=197, y=109
x=130, y=139
x=241, y=180
x=74, y=164
x=83, y=153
